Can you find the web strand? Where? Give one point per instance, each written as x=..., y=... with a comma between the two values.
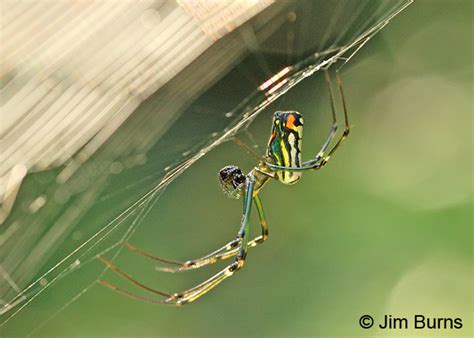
x=245, y=113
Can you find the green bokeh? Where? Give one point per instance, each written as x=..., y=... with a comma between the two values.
x=385, y=229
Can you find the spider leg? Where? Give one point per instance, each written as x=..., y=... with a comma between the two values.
x=174, y=299
x=190, y=264
x=262, y=219
x=199, y=290
x=333, y=130
x=129, y=294
x=347, y=127
x=132, y=280
x=246, y=148
x=252, y=139
x=229, y=250
x=322, y=158
x=192, y=294
x=254, y=242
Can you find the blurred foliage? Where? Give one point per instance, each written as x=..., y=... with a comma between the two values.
x=384, y=229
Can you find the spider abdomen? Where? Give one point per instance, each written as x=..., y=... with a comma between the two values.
x=284, y=146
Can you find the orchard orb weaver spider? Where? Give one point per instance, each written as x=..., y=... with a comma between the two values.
x=282, y=162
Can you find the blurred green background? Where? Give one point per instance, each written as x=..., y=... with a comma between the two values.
x=384, y=229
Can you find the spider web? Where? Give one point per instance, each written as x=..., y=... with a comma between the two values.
x=121, y=177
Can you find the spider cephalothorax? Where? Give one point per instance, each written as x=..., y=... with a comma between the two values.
x=232, y=181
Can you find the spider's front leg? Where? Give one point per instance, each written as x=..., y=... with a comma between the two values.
x=243, y=235
x=194, y=293
x=229, y=250
x=254, y=242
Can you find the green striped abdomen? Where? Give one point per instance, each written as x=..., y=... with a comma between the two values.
x=284, y=146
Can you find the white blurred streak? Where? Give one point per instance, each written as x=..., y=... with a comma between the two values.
x=9, y=186
x=72, y=72
x=218, y=17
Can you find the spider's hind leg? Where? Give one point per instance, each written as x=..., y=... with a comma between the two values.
x=347, y=127
x=334, y=126
x=321, y=156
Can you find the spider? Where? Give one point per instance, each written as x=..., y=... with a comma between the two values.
x=282, y=162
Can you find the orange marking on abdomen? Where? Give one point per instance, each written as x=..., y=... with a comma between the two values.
x=290, y=122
